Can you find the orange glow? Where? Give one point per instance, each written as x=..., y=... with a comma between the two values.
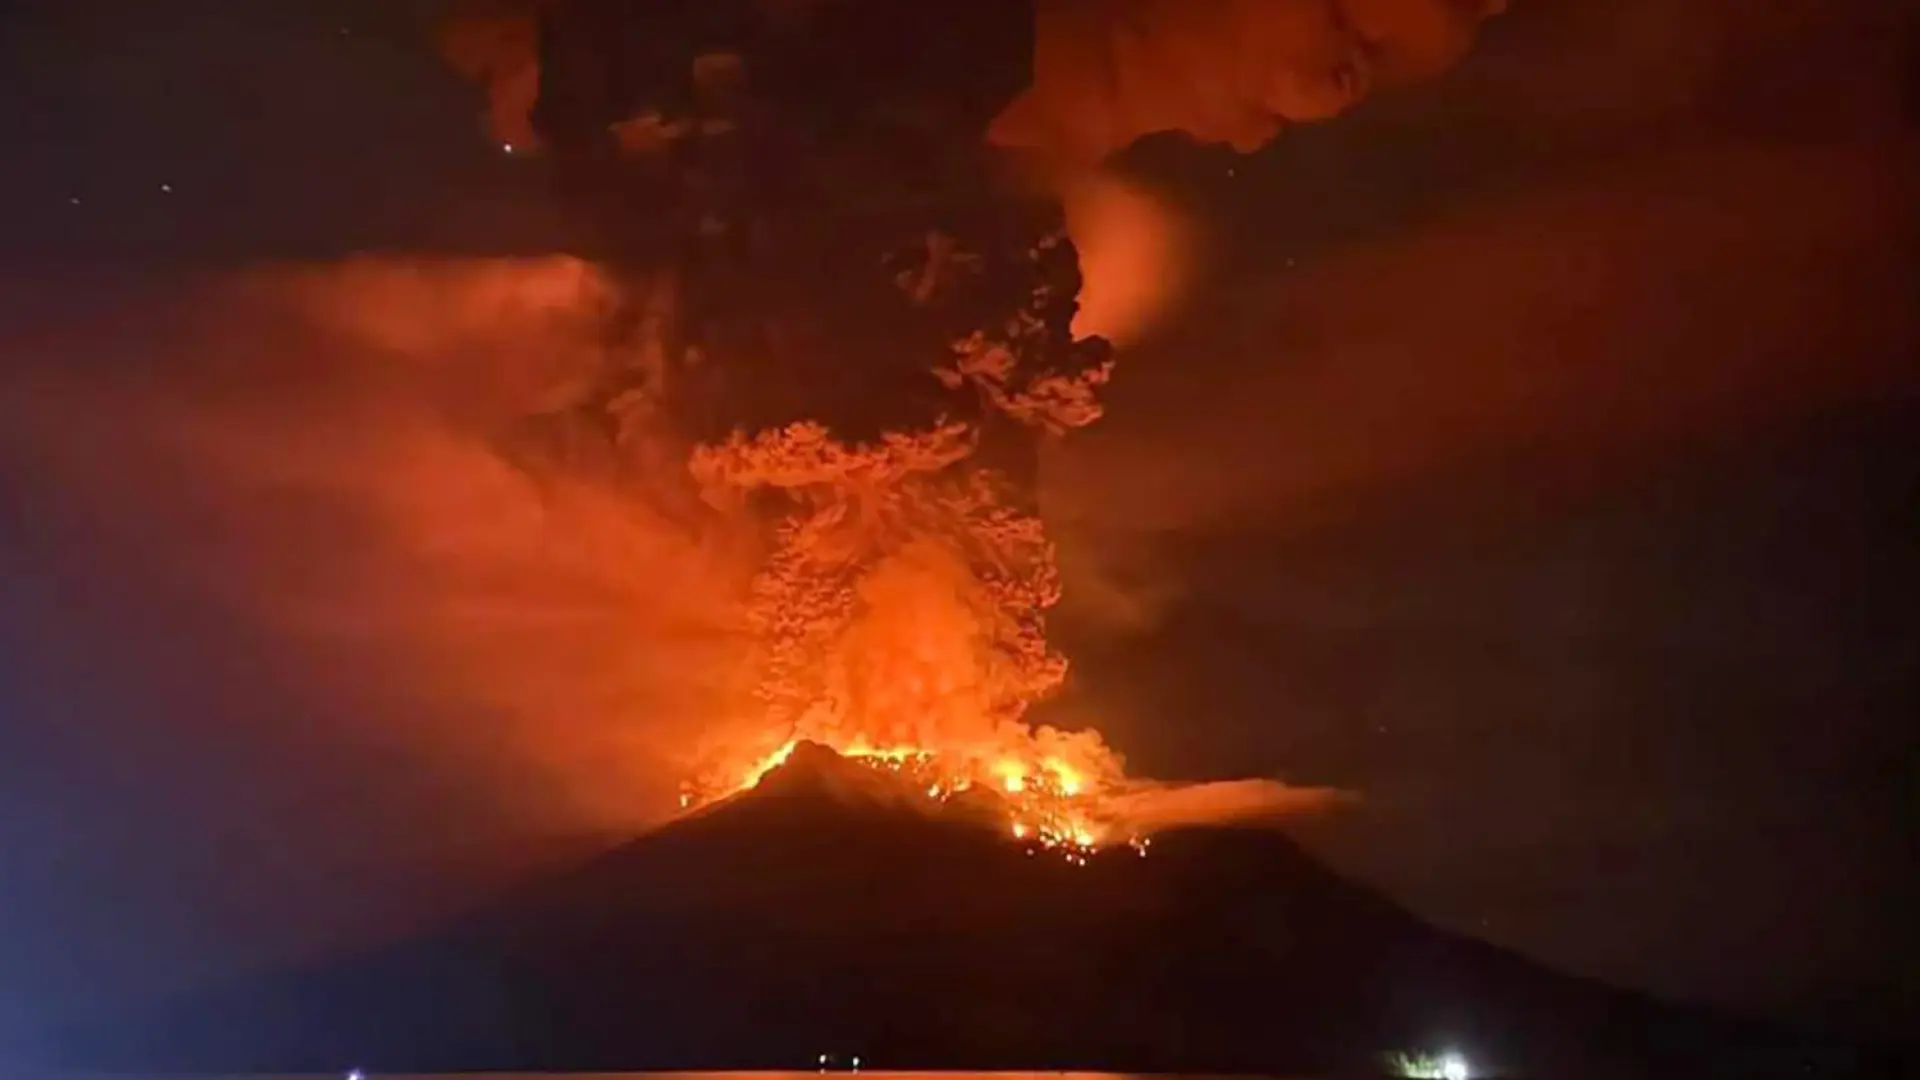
x=899, y=619
x=1136, y=254
x=496, y=44
x=1048, y=805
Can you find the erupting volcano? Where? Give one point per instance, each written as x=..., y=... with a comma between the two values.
x=900, y=614
x=832, y=909
x=768, y=158
x=1051, y=807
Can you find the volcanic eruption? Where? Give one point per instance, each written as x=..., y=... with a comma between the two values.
x=827, y=887
x=899, y=617
x=833, y=909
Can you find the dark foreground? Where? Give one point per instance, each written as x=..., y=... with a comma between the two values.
x=826, y=913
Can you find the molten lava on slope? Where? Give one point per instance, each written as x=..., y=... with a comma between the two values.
x=1047, y=802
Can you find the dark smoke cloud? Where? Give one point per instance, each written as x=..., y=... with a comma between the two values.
x=1147, y=808
x=1110, y=72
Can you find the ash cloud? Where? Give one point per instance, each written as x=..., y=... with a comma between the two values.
x=1148, y=808
x=323, y=455
x=1110, y=72
x=298, y=651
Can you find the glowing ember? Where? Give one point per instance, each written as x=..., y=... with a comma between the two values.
x=1046, y=801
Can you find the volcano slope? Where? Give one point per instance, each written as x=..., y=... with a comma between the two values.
x=833, y=910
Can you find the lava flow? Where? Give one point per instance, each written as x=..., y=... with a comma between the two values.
x=1048, y=803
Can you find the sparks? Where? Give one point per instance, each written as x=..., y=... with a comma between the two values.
x=1051, y=807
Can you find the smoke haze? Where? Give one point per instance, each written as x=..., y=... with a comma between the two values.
x=1581, y=280
x=282, y=590
x=1529, y=456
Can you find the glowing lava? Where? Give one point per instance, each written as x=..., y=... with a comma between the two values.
x=1047, y=801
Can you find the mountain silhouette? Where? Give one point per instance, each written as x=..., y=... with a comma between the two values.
x=832, y=911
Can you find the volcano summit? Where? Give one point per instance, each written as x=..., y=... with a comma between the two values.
x=833, y=909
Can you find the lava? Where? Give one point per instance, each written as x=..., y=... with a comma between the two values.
x=1047, y=802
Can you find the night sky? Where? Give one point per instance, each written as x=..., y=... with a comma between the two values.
x=1536, y=457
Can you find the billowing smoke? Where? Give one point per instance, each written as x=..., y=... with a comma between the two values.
x=322, y=462
x=495, y=45
x=1147, y=808
x=1106, y=72
x=1109, y=72
x=1137, y=251
x=873, y=536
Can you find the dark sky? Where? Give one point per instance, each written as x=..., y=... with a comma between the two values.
x=1536, y=458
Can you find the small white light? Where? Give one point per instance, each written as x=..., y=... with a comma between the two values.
x=506, y=147
x=856, y=1064
x=356, y=1074
x=168, y=188
x=1453, y=1067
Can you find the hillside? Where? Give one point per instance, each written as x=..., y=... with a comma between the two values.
x=828, y=911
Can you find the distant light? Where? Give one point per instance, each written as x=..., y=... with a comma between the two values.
x=856, y=1064
x=74, y=200
x=168, y=188
x=1419, y=1066
x=507, y=147
x=823, y=1059
x=356, y=1074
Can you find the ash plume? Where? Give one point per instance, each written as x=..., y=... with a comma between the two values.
x=1109, y=72
x=325, y=470
x=1145, y=808
x=495, y=44
x=1106, y=72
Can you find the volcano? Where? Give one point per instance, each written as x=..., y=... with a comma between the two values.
x=831, y=911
